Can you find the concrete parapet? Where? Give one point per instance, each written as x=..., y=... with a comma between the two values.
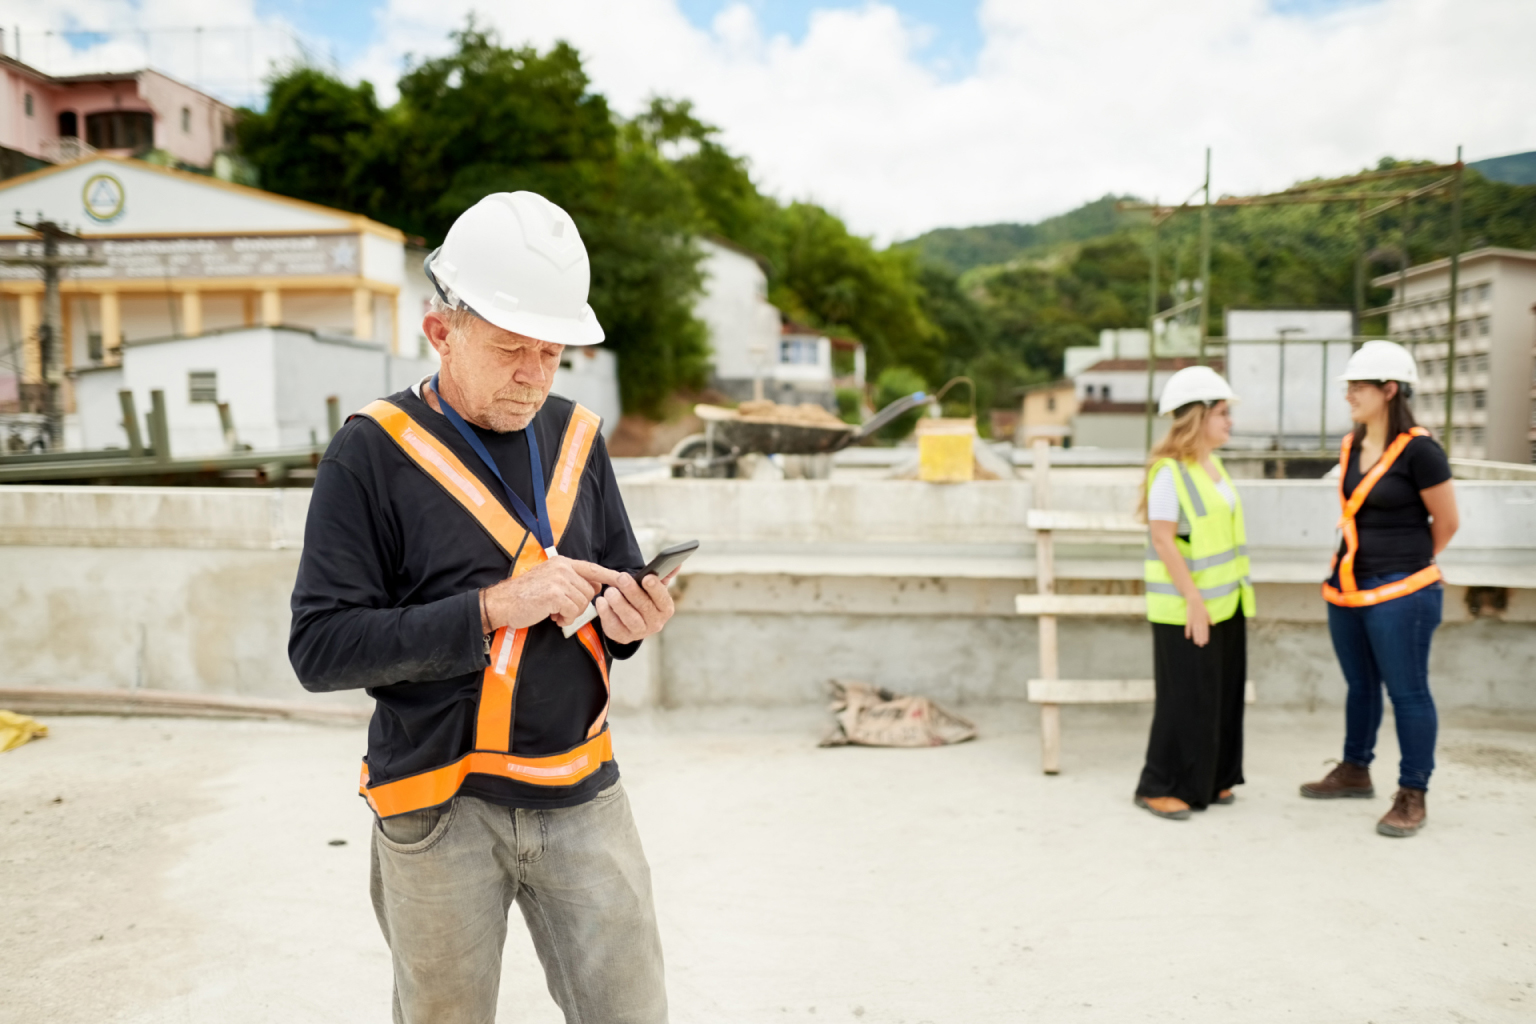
x=910, y=585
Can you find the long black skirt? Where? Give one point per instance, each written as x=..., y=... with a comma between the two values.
x=1196, y=747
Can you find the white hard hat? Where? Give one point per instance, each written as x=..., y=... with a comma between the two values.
x=516, y=260
x=1194, y=384
x=1382, y=360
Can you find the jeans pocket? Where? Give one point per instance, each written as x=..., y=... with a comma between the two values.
x=612, y=792
x=415, y=831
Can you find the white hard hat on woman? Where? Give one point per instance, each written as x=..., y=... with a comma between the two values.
x=1382, y=360
x=1194, y=384
x=516, y=260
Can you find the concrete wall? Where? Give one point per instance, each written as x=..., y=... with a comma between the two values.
x=906, y=584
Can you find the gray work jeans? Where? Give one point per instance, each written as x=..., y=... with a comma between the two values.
x=444, y=879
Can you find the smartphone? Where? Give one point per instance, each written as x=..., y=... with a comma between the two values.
x=666, y=561
x=662, y=565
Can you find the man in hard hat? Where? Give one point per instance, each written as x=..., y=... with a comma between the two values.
x=454, y=530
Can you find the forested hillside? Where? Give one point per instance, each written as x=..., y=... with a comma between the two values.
x=960, y=249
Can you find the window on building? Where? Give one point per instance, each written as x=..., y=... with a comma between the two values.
x=1104, y=392
x=93, y=346
x=1050, y=403
x=1463, y=364
x=1464, y=329
x=186, y=119
x=1483, y=326
x=1461, y=399
x=1477, y=436
x=203, y=386
x=798, y=351
x=69, y=125
x=1479, y=399
x=1484, y=291
x=1482, y=363
x=121, y=129
x=26, y=104
x=1088, y=392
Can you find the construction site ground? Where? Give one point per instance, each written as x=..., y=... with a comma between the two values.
x=189, y=870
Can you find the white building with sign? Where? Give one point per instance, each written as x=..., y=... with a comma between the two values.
x=182, y=256
x=215, y=293
x=183, y=253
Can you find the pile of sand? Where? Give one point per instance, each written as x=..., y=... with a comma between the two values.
x=807, y=414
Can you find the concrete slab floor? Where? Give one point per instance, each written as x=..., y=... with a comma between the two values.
x=176, y=870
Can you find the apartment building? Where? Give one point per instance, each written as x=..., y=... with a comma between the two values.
x=1493, y=387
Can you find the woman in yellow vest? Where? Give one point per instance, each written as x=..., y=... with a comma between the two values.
x=1384, y=594
x=1198, y=600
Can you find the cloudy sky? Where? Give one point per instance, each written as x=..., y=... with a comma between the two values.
x=902, y=115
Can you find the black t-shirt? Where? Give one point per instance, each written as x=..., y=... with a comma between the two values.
x=1393, y=522
x=387, y=599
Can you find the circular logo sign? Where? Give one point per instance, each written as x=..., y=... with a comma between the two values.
x=104, y=196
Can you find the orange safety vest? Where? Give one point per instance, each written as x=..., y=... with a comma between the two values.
x=1346, y=594
x=492, y=754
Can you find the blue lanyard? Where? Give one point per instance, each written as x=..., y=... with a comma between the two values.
x=537, y=524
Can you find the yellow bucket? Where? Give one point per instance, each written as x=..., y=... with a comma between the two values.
x=944, y=450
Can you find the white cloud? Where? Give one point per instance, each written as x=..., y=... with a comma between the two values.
x=1067, y=101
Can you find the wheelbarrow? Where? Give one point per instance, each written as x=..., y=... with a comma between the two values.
x=728, y=436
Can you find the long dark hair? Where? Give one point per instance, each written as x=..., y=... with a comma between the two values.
x=1399, y=413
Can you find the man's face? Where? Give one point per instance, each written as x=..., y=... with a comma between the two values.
x=493, y=378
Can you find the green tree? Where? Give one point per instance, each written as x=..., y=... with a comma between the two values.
x=489, y=118
x=315, y=140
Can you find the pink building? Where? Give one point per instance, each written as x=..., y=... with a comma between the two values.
x=47, y=119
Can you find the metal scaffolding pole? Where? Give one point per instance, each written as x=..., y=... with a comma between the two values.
x=1448, y=438
x=1152, y=326
x=1205, y=258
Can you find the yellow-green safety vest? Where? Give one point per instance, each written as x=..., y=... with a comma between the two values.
x=1216, y=551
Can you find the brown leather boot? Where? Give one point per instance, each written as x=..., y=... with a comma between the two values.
x=1407, y=815
x=1346, y=779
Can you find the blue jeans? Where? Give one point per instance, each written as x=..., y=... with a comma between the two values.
x=1389, y=643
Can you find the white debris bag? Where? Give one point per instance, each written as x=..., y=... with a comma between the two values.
x=872, y=717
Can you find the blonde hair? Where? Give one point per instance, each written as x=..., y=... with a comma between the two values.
x=1182, y=442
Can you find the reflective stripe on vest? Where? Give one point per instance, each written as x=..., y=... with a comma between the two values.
x=493, y=719
x=1216, y=553
x=1346, y=594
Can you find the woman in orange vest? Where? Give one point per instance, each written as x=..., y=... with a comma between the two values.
x=1384, y=594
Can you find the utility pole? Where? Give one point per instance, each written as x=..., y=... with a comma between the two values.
x=50, y=333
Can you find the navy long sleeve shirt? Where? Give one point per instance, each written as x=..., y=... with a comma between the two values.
x=387, y=600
